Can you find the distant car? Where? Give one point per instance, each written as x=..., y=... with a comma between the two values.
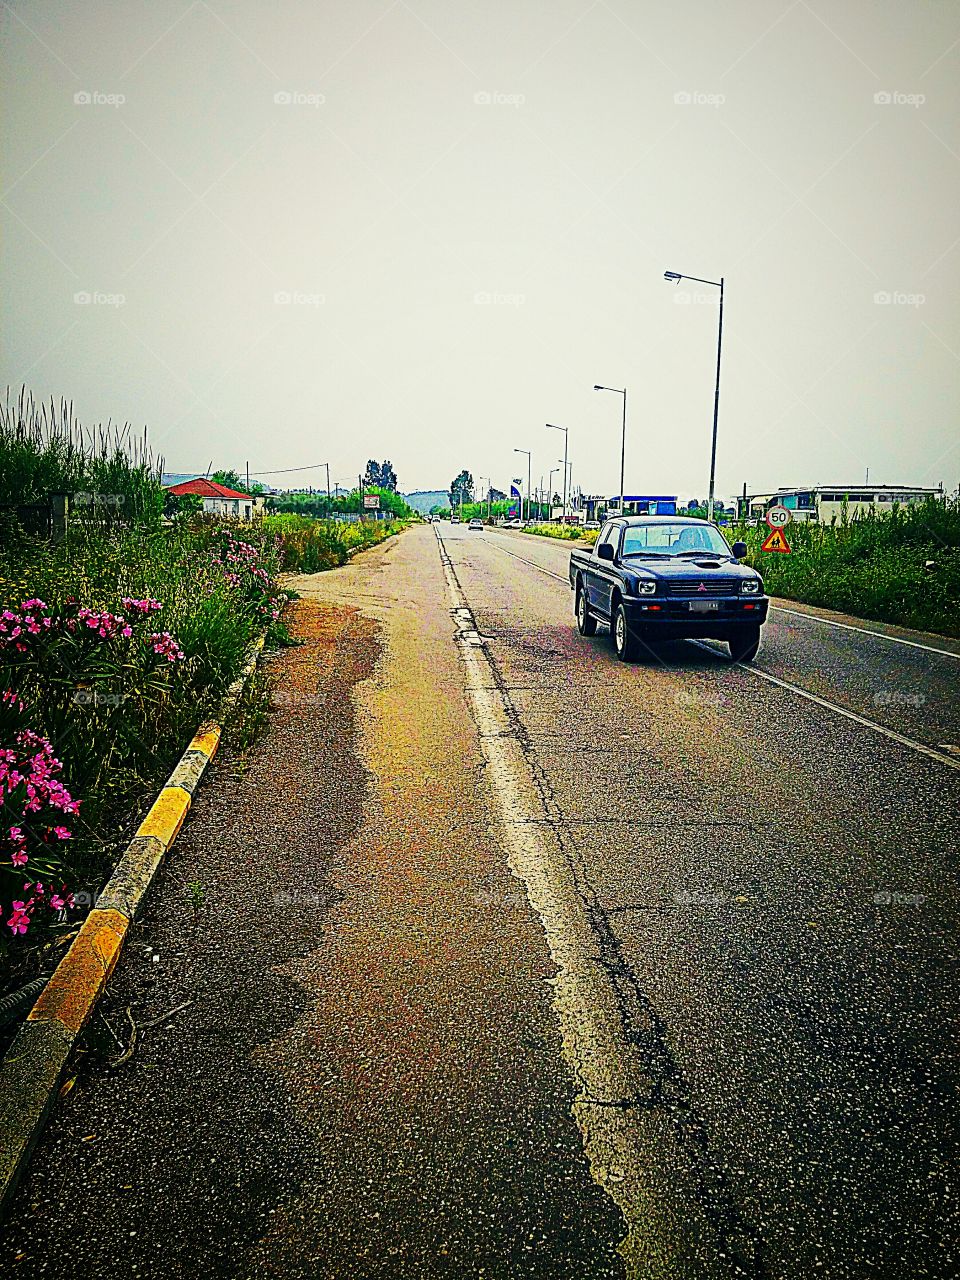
x=454, y=519
x=591, y=524
x=475, y=524
x=514, y=524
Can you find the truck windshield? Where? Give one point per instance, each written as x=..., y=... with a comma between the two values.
x=666, y=539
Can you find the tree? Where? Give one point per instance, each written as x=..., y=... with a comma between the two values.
x=229, y=479
x=496, y=495
x=461, y=489
x=381, y=475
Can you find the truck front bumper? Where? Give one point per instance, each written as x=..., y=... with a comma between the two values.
x=675, y=619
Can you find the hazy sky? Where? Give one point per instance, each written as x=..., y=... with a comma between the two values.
x=315, y=231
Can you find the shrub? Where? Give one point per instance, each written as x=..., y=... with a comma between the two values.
x=871, y=566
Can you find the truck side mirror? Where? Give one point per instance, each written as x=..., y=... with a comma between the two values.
x=739, y=550
x=605, y=551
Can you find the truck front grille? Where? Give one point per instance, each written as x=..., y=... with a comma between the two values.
x=703, y=588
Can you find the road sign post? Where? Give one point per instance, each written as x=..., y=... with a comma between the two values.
x=778, y=517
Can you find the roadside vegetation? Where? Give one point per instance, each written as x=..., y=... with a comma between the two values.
x=308, y=546
x=118, y=634
x=566, y=533
x=902, y=567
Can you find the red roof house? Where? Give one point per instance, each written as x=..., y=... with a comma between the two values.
x=218, y=500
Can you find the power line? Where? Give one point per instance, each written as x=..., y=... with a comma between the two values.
x=286, y=470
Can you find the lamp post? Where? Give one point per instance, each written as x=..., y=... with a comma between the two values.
x=623, y=436
x=553, y=472
x=676, y=277
x=527, y=452
x=566, y=438
x=569, y=470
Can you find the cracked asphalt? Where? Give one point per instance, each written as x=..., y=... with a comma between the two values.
x=379, y=1074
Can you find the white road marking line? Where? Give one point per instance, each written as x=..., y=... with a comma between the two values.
x=866, y=631
x=838, y=710
x=810, y=617
x=941, y=756
x=608, y=1075
x=549, y=572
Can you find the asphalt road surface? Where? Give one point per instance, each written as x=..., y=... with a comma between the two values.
x=518, y=961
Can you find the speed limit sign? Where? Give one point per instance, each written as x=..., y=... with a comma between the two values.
x=777, y=517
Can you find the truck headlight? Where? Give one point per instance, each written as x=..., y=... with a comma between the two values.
x=750, y=587
x=646, y=588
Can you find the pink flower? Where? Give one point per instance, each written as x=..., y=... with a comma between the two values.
x=166, y=646
x=61, y=833
x=19, y=858
x=56, y=902
x=20, y=919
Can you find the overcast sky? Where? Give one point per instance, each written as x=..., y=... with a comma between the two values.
x=316, y=231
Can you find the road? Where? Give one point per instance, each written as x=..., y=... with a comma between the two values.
x=616, y=970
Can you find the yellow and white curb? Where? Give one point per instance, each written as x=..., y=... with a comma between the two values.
x=31, y=1070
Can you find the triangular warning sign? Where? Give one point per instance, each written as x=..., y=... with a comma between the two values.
x=775, y=541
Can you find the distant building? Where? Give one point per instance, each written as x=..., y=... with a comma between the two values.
x=218, y=500
x=822, y=502
x=596, y=507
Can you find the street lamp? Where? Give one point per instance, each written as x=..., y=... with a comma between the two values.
x=552, y=427
x=527, y=452
x=553, y=472
x=676, y=277
x=623, y=436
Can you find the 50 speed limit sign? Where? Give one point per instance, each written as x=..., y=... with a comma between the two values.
x=778, y=517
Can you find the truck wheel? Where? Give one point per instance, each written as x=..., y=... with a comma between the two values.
x=744, y=644
x=625, y=643
x=586, y=622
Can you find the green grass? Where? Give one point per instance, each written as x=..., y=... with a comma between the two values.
x=873, y=566
x=309, y=546
x=565, y=533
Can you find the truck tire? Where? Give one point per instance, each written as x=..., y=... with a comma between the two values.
x=625, y=643
x=586, y=622
x=744, y=644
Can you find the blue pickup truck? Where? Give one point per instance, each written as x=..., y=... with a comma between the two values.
x=655, y=578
